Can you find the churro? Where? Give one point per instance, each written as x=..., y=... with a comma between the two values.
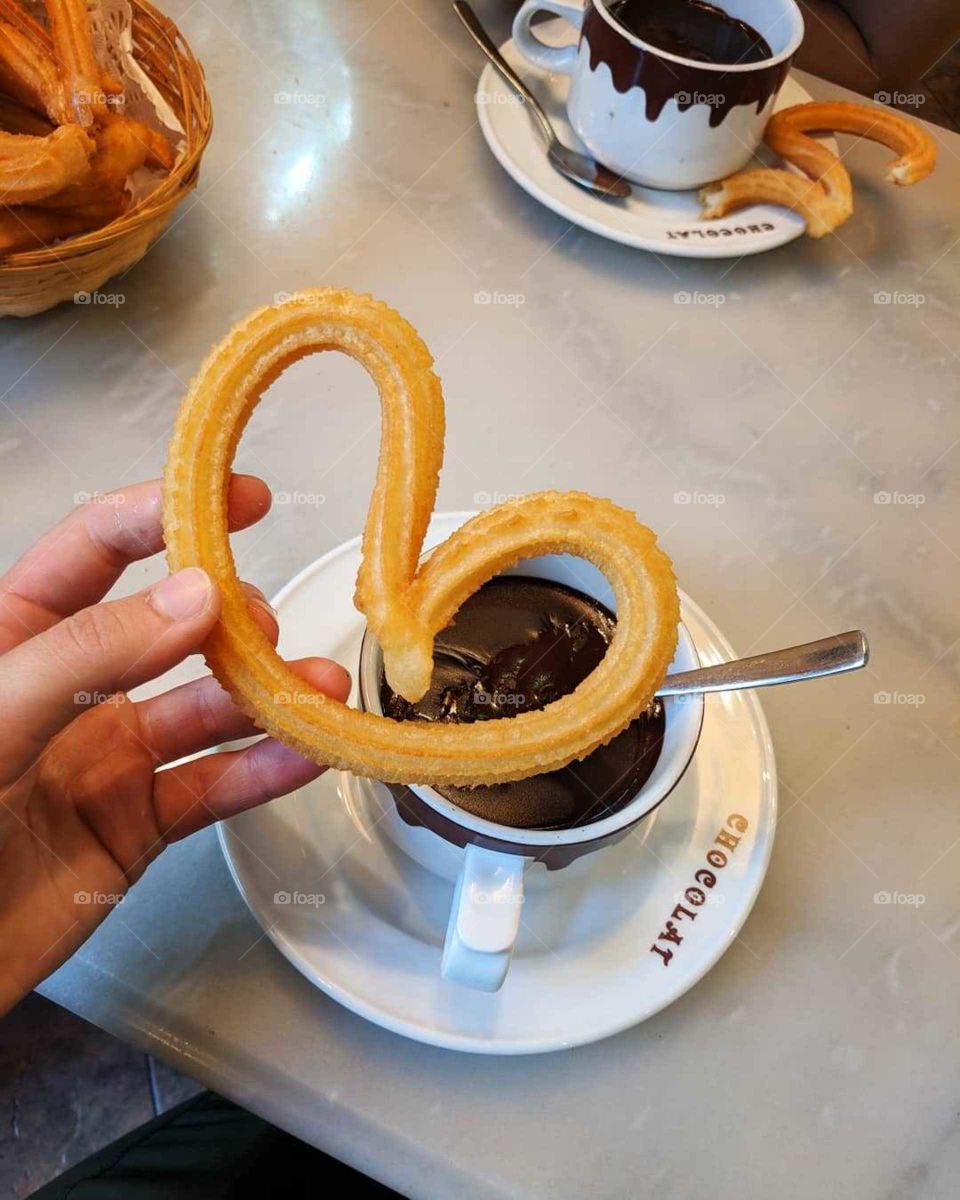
x=121, y=149
x=72, y=41
x=30, y=75
x=29, y=227
x=80, y=148
x=823, y=195
x=18, y=15
x=32, y=168
x=405, y=604
x=157, y=150
x=17, y=118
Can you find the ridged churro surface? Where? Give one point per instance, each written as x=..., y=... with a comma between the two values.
x=405, y=603
x=823, y=195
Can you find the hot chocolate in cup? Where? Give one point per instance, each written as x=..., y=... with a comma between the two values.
x=662, y=118
x=491, y=858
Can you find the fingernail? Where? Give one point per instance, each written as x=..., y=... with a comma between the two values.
x=338, y=674
x=182, y=596
x=265, y=607
x=255, y=594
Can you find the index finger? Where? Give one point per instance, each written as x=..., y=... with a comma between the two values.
x=79, y=560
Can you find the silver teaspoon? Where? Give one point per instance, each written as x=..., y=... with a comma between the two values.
x=578, y=167
x=829, y=656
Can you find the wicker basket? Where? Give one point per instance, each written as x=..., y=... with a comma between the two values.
x=34, y=280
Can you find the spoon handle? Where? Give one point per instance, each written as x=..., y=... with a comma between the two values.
x=483, y=40
x=829, y=656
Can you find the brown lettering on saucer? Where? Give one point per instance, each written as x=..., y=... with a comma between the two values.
x=696, y=897
x=727, y=840
x=711, y=232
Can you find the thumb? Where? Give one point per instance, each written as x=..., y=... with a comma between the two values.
x=47, y=681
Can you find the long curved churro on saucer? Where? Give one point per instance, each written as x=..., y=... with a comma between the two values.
x=824, y=194
x=406, y=604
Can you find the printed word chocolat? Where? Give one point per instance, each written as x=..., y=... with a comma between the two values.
x=695, y=896
x=722, y=231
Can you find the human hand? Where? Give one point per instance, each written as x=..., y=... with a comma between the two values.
x=83, y=806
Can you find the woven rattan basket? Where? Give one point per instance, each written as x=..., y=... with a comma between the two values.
x=34, y=280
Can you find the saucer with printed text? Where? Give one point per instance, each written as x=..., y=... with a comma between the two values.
x=603, y=944
x=665, y=222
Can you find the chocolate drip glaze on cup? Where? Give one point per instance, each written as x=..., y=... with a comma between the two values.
x=632, y=66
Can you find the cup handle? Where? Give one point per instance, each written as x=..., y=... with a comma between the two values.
x=550, y=58
x=484, y=919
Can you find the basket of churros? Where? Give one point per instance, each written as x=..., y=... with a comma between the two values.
x=104, y=117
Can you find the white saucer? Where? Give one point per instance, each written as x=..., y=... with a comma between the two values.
x=366, y=924
x=665, y=222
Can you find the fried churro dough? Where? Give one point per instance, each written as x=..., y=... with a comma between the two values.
x=30, y=75
x=72, y=40
x=32, y=168
x=157, y=150
x=825, y=197
x=406, y=604
x=20, y=17
x=120, y=150
x=66, y=154
x=17, y=118
x=28, y=227
x=48, y=87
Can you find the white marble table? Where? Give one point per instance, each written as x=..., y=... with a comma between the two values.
x=820, y=1057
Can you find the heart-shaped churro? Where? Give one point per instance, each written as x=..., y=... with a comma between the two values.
x=405, y=602
x=823, y=195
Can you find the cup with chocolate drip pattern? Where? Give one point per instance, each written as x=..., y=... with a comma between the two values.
x=525, y=639
x=671, y=94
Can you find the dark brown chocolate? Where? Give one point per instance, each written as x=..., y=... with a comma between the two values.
x=632, y=66
x=515, y=646
x=691, y=29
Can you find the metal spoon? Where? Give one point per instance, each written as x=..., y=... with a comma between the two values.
x=578, y=167
x=829, y=656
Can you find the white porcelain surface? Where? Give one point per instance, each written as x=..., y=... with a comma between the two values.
x=684, y=714
x=667, y=222
x=818, y=1058
x=678, y=148
x=485, y=873
x=367, y=925
x=681, y=149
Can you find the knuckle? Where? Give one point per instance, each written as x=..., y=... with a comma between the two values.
x=252, y=783
x=93, y=632
x=207, y=713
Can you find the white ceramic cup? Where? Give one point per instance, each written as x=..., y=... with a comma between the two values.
x=488, y=860
x=655, y=117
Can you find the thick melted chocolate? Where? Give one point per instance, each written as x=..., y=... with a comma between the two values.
x=691, y=29
x=661, y=79
x=517, y=645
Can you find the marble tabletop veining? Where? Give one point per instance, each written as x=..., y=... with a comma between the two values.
x=793, y=435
